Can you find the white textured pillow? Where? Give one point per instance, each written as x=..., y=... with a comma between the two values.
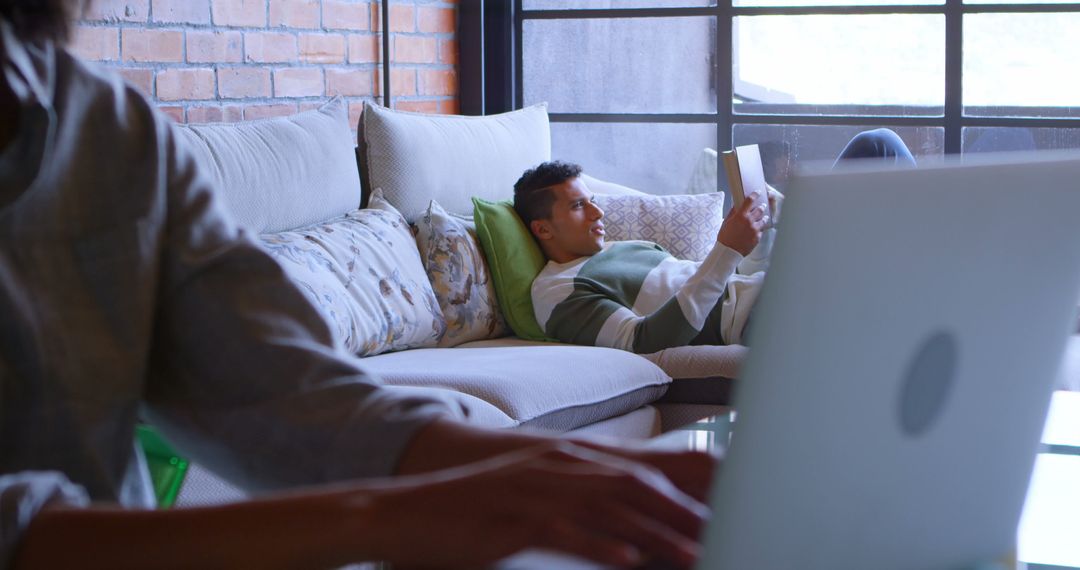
x=363, y=273
x=282, y=173
x=684, y=225
x=459, y=276
x=604, y=188
x=416, y=158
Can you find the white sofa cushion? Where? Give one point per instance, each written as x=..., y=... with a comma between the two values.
x=269, y=171
x=538, y=384
x=363, y=273
x=459, y=276
x=604, y=188
x=416, y=158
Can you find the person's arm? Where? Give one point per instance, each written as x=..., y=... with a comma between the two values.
x=445, y=443
x=304, y=531
x=590, y=316
x=562, y=497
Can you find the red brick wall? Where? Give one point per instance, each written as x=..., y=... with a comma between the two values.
x=232, y=60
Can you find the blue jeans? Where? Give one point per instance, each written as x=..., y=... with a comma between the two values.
x=882, y=144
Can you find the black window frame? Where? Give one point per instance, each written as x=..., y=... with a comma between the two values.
x=491, y=66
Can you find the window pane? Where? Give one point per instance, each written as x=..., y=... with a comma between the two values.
x=597, y=4
x=826, y=64
x=657, y=158
x=1021, y=65
x=993, y=139
x=635, y=65
x=785, y=146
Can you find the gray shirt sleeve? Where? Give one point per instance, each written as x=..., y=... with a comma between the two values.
x=243, y=373
x=22, y=496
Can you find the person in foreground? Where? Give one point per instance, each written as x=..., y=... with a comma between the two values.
x=633, y=295
x=126, y=292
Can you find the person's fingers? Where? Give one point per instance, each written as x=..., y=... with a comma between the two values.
x=644, y=487
x=749, y=201
x=565, y=536
x=644, y=533
x=654, y=495
x=690, y=471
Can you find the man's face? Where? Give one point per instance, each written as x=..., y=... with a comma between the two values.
x=575, y=228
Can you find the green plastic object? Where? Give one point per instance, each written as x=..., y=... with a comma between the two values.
x=515, y=260
x=167, y=468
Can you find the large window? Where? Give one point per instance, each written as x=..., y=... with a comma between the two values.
x=638, y=88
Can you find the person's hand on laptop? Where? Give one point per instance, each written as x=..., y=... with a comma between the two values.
x=690, y=471
x=566, y=498
x=742, y=227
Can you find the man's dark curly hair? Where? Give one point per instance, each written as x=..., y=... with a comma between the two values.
x=35, y=20
x=532, y=192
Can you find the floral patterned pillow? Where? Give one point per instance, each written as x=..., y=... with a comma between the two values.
x=685, y=225
x=363, y=273
x=459, y=275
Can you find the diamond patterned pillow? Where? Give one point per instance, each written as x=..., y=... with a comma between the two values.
x=685, y=225
x=460, y=276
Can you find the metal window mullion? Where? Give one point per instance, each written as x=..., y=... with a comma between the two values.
x=1020, y=8
x=954, y=78
x=759, y=119
x=726, y=6
x=725, y=86
x=835, y=10
x=519, y=55
x=1023, y=122
x=593, y=13
x=725, y=81
x=386, y=52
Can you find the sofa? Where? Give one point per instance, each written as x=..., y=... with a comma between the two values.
x=404, y=282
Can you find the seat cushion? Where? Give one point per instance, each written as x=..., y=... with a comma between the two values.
x=703, y=361
x=702, y=374
x=537, y=384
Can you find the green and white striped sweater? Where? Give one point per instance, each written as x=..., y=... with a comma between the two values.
x=635, y=296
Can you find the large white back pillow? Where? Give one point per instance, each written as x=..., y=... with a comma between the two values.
x=416, y=158
x=283, y=173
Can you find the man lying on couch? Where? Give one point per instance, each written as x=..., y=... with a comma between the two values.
x=633, y=295
x=127, y=291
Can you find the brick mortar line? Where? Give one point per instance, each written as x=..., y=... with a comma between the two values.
x=185, y=26
x=163, y=65
x=180, y=26
x=286, y=101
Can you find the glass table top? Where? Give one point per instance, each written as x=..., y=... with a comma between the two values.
x=1048, y=537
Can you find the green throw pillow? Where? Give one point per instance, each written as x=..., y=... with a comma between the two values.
x=515, y=260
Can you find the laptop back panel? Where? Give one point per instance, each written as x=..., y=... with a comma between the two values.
x=902, y=356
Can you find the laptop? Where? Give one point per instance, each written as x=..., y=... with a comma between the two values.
x=902, y=357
